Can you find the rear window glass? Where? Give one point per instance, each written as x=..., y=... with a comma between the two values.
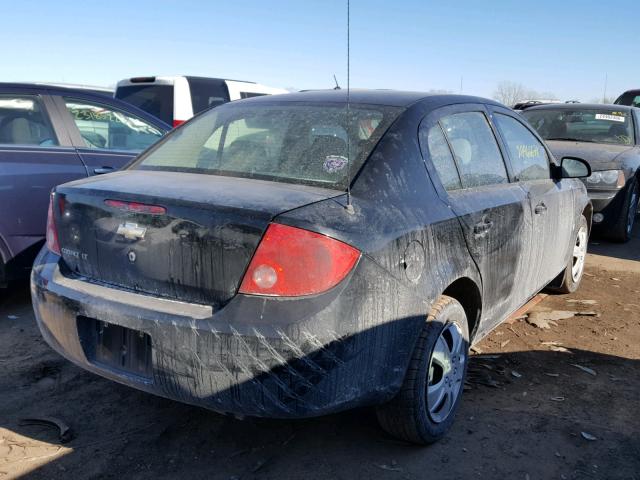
x=631, y=98
x=154, y=99
x=207, y=93
x=285, y=142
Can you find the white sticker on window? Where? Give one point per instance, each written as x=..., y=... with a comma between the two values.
x=611, y=118
x=334, y=163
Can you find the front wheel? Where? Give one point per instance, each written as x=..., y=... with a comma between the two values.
x=424, y=409
x=623, y=227
x=572, y=275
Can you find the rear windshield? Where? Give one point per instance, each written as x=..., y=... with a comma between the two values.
x=631, y=98
x=583, y=125
x=154, y=99
x=207, y=93
x=284, y=142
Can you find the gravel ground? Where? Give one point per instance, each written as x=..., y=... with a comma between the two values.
x=540, y=403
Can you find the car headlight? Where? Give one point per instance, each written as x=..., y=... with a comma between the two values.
x=607, y=178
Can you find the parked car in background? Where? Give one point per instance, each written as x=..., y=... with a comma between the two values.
x=279, y=294
x=532, y=103
x=175, y=99
x=51, y=135
x=630, y=98
x=607, y=136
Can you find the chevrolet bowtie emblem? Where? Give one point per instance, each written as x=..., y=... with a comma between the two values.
x=131, y=231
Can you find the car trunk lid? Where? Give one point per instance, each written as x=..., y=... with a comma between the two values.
x=194, y=245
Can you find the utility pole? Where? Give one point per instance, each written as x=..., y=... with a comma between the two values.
x=604, y=94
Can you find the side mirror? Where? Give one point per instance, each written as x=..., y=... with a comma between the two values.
x=573, y=167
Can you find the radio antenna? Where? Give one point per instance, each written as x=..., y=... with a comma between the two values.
x=349, y=206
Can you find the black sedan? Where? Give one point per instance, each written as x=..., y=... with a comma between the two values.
x=293, y=256
x=608, y=137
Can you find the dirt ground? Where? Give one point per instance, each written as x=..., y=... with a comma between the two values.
x=555, y=403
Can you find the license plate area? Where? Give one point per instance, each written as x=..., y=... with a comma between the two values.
x=118, y=348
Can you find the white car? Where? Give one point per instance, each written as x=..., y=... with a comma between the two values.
x=175, y=99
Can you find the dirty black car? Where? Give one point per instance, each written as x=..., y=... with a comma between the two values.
x=293, y=256
x=606, y=136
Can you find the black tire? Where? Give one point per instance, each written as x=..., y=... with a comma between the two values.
x=621, y=231
x=4, y=281
x=407, y=415
x=566, y=280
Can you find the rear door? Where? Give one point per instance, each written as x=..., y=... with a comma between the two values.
x=106, y=137
x=550, y=201
x=35, y=155
x=494, y=213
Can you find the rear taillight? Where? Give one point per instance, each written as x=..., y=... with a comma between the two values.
x=52, y=233
x=292, y=262
x=136, y=207
x=177, y=123
x=142, y=79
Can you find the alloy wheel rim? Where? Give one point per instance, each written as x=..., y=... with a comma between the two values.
x=446, y=372
x=579, y=254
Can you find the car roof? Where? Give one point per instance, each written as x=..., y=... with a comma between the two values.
x=582, y=106
x=99, y=95
x=151, y=79
x=395, y=98
x=61, y=87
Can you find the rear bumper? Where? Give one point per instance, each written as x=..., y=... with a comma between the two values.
x=256, y=356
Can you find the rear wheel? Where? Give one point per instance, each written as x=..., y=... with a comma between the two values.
x=624, y=225
x=424, y=409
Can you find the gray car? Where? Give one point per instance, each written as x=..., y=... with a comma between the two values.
x=608, y=137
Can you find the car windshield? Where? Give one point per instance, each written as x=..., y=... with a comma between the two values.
x=285, y=142
x=583, y=125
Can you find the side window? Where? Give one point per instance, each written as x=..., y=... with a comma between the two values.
x=109, y=128
x=476, y=152
x=23, y=121
x=207, y=93
x=251, y=94
x=528, y=156
x=434, y=145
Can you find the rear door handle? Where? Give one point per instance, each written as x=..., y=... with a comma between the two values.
x=482, y=227
x=101, y=170
x=540, y=208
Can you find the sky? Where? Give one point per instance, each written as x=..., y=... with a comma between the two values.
x=566, y=47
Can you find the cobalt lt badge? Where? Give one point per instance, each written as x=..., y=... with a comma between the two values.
x=131, y=256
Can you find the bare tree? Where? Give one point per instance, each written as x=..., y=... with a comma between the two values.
x=511, y=93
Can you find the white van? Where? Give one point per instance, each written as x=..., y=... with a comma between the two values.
x=175, y=99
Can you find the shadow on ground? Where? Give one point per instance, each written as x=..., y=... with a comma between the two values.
x=529, y=423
